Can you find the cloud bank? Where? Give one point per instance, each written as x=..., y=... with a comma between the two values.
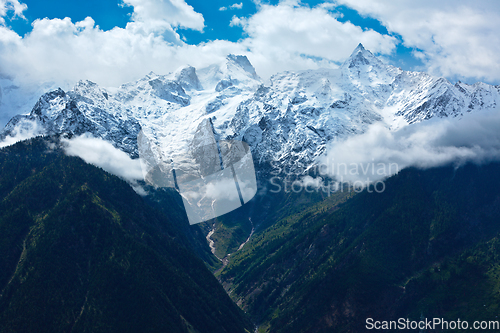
x=24, y=130
x=379, y=152
x=59, y=49
x=104, y=155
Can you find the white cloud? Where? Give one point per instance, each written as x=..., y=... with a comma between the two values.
x=235, y=21
x=24, y=130
x=104, y=155
x=14, y=6
x=233, y=6
x=221, y=189
x=456, y=37
x=308, y=182
x=282, y=37
x=379, y=152
x=237, y=5
x=160, y=13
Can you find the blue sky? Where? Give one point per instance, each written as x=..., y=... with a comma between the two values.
x=106, y=13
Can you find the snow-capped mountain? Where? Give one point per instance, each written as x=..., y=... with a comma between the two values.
x=289, y=119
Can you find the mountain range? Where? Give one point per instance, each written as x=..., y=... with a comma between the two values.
x=288, y=120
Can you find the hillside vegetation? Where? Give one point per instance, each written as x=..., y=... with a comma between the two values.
x=427, y=246
x=82, y=252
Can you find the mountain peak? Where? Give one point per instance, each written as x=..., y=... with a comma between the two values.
x=242, y=62
x=234, y=70
x=360, y=56
x=187, y=78
x=85, y=86
x=358, y=48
